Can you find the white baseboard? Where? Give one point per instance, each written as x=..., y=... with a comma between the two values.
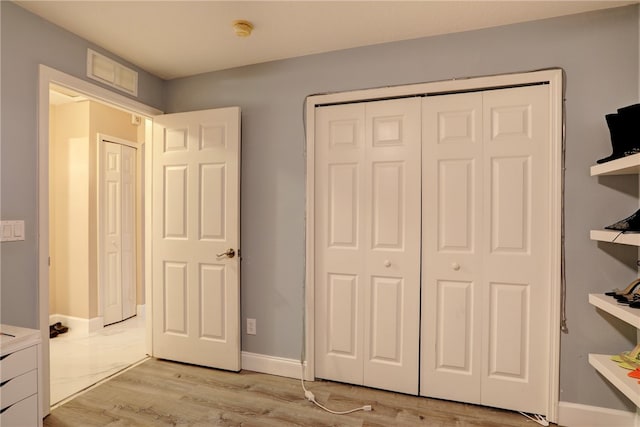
x=272, y=365
x=577, y=415
x=141, y=311
x=78, y=324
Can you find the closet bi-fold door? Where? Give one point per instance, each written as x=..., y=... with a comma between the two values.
x=452, y=261
x=368, y=243
x=486, y=272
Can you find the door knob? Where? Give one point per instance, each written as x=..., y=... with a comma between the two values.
x=455, y=266
x=230, y=253
x=387, y=263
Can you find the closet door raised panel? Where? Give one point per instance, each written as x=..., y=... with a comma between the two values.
x=516, y=245
x=452, y=261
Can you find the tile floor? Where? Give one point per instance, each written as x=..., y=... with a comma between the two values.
x=79, y=360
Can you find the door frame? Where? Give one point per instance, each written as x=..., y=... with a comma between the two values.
x=555, y=79
x=46, y=76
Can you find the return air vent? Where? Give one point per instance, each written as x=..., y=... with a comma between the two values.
x=107, y=71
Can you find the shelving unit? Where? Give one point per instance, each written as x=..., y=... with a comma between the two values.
x=616, y=375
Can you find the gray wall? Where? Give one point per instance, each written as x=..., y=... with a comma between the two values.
x=599, y=52
x=26, y=42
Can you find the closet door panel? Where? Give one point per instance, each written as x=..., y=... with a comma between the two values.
x=515, y=257
x=340, y=268
x=392, y=240
x=508, y=356
x=451, y=261
x=456, y=194
x=454, y=325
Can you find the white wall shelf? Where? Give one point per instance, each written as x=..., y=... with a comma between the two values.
x=629, y=165
x=616, y=376
x=613, y=236
x=622, y=312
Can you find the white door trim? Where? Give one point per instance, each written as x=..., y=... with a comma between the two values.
x=46, y=76
x=554, y=77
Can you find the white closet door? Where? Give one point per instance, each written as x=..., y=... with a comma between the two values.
x=111, y=231
x=485, y=264
x=516, y=243
x=451, y=244
x=368, y=243
x=118, y=231
x=392, y=241
x=340, y=268
x=128, y=232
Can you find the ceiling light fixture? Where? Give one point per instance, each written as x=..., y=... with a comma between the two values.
x=242, y=28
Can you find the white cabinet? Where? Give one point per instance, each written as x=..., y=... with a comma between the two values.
x=602, y=363
x=20, y=377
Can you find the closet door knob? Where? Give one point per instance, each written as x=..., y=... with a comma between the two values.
x=455, y=266
x=387, y=263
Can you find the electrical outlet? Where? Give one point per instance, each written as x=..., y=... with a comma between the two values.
x=251, y=326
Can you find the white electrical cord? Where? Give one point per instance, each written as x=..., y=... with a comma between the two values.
x=536, y=418
x=311, y=398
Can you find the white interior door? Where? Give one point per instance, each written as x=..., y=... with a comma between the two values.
x=196, y=235
x=486, y=269
x=368, y=243
x=117, y=231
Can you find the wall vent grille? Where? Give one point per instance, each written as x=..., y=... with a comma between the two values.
x=108, y=71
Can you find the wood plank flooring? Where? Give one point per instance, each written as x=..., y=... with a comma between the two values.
x=162, y=393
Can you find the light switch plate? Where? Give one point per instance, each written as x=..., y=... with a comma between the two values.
x=11, y=231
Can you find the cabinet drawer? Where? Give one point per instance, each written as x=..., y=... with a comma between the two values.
x=22, y=414
x=18, y=363
x=18, y=388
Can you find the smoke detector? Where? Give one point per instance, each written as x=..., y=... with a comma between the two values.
x=242, y=28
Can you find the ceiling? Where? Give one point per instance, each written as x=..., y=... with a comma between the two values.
x=172, y=39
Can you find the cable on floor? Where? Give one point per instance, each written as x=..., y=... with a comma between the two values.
x=536, y=418
x=311, y=398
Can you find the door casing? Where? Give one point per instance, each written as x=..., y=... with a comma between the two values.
x=553, y=77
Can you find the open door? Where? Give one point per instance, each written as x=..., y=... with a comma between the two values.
x=196, y=234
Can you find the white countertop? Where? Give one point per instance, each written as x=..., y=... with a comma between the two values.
x=14, y=338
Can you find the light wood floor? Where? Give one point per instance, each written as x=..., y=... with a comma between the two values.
x=162, y=393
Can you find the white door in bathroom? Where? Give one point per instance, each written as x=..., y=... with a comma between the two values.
x=117, y=226
x=196, y=237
